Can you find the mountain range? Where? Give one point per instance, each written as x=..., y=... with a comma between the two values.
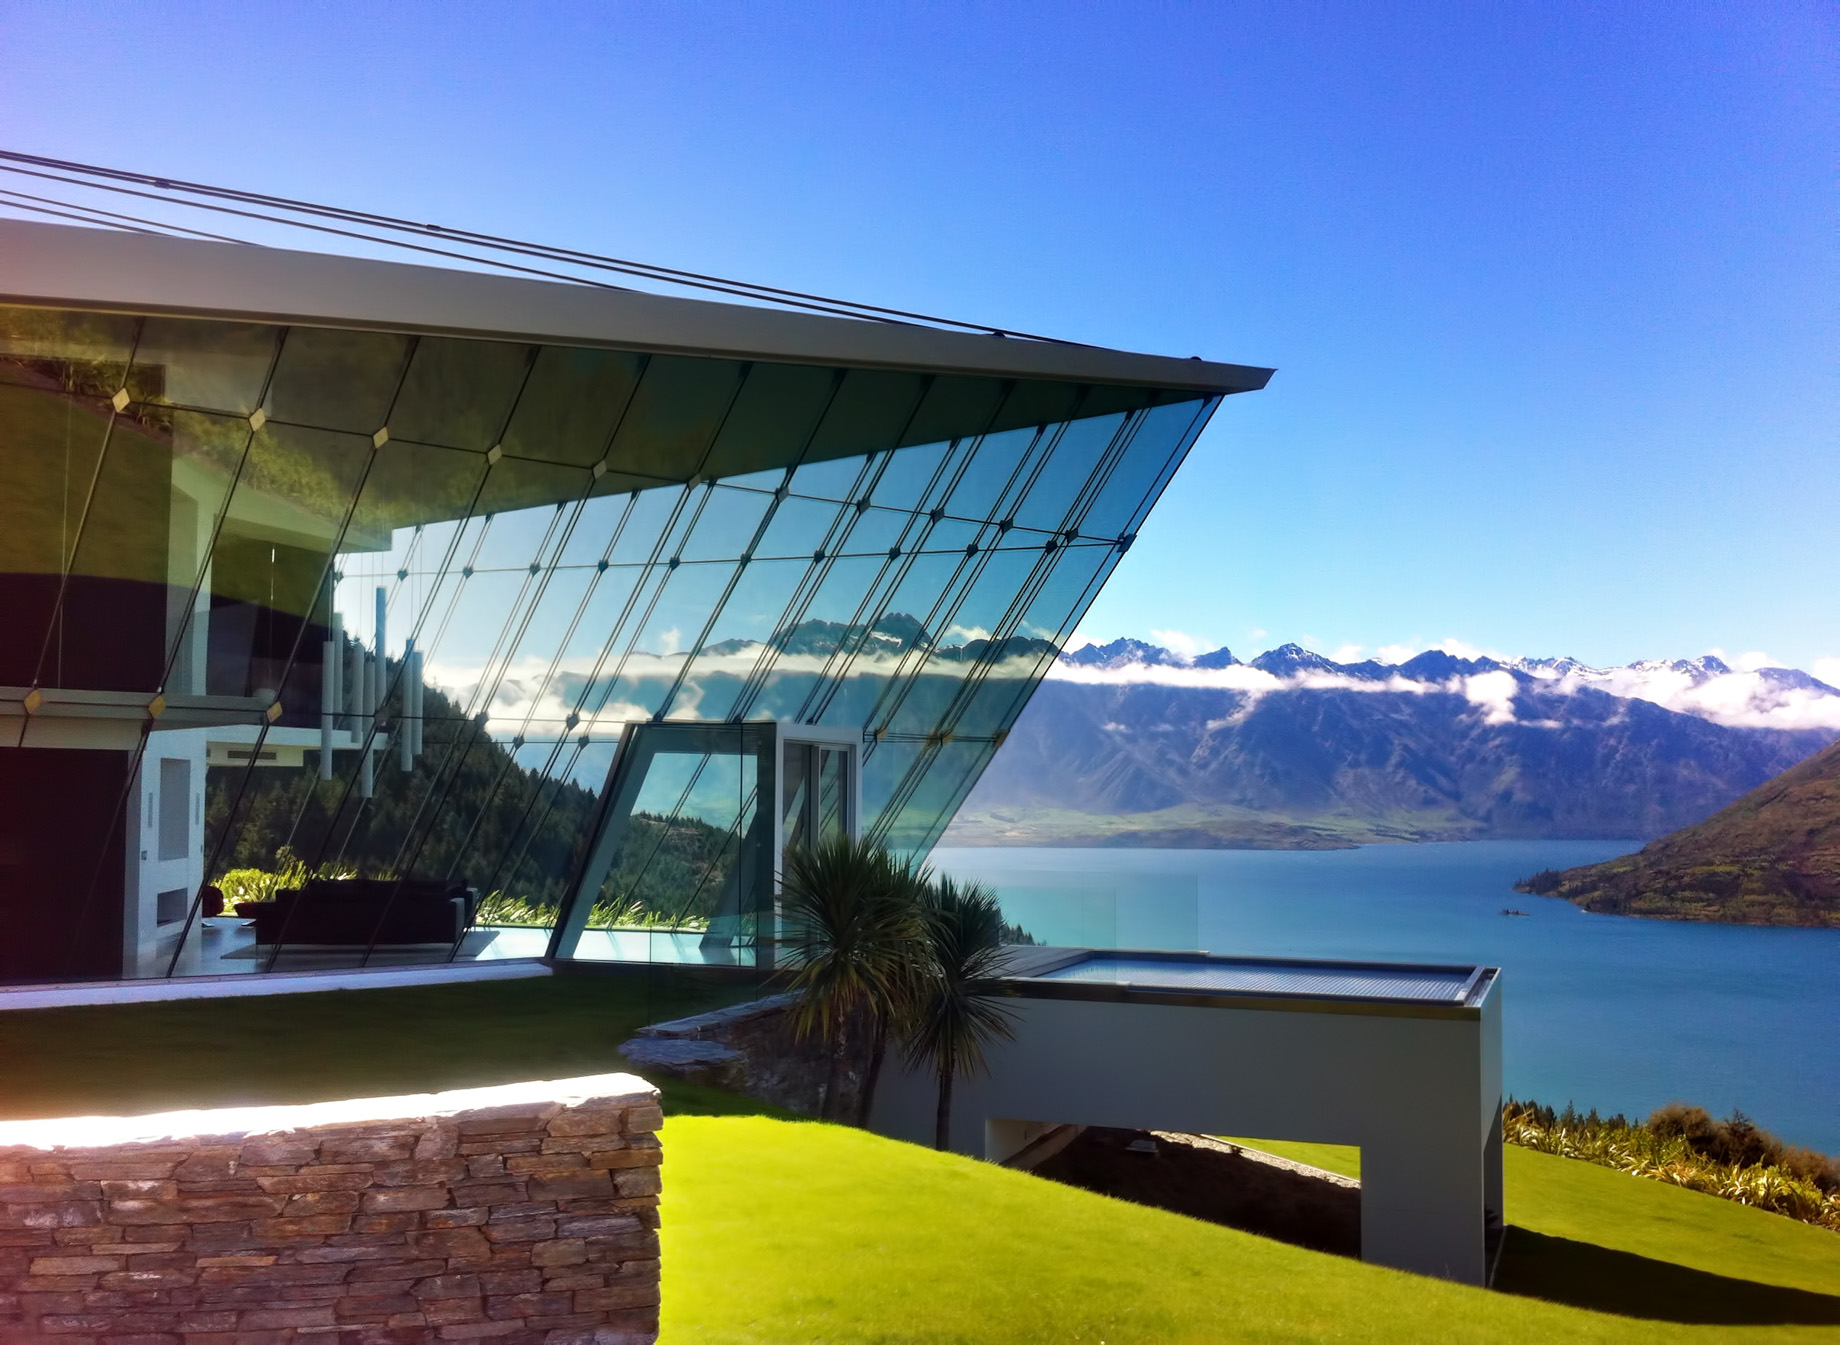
x=1130, y=743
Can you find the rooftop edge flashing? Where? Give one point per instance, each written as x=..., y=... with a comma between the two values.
x=1035, y=979
x=67, y=266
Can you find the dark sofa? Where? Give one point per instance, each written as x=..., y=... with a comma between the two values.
x=367, y=910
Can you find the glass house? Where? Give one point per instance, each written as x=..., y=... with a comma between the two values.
x=355, y=613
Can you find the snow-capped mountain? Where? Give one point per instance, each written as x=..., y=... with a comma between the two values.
x=1706, y=687
x=1296, y=749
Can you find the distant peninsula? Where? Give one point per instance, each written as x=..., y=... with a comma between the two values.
x=1771, y=858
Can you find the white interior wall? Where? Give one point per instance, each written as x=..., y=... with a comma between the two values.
x=165, y=851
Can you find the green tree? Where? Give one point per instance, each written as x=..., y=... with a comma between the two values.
x=854, y=926
x=956, y=1013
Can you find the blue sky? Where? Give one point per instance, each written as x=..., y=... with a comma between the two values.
x=1551, y=288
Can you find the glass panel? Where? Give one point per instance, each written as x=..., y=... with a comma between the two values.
x=832, y=784
x=687, y=882
x=212, y=366
x=1033, y=403
x=926, y=800
x=603, y=519
x=914, y=478
x=795, y=793
x=955, y=407
x=737, y=641
x=572, y=403
x=336, y=380
x=873, y=531
x=520, y=484
x=985, y=488
x=659, y=521
x=459, y=393
x=683, y=607
x=673, y=417
x=1073, y=458
x=840, y=479
x=726, y=526
x=207, y=454
x=886, y=764
x=81, y=353
x=798, y=528
x=410, y=484
x=268, y=565
x=870, y=410
x=922, y=705
x=1156, y=446
x=772, y=419
x=111, y=630
x=53, y=443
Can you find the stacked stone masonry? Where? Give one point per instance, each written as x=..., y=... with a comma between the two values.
x=518, y=1214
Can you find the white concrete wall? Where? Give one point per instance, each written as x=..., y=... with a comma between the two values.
x=1419, y=1095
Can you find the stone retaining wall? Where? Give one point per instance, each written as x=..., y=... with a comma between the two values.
x=750, y=1048
x=516, y=1214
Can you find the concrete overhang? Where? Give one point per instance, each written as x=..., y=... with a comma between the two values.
x=63, y=266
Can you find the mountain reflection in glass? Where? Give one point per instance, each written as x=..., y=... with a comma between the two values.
x=558, y=542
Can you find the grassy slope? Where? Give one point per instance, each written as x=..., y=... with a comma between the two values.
x=784, y=1232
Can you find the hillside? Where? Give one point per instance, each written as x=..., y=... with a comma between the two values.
x=1126, y=745
x=1771, y=858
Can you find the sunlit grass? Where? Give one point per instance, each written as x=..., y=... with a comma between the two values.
x=791, y=1232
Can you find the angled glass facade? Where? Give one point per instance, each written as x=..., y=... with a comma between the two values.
x=284, y=600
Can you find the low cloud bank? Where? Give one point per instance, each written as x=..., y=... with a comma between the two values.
x=1761, y=698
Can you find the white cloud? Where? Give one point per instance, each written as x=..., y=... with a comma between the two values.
x=1257, y=633
x=1181, y=643
x=1348, y=653
x=1395, y=653
x=523, y=701
x=1735, y=699
x=1493, y=694
x=1237, y=677
x=670, y=641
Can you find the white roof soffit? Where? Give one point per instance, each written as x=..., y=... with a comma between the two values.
x=64, y=266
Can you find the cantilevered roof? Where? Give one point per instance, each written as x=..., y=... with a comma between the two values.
x=60, y=266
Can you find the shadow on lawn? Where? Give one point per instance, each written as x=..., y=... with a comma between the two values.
x=1584, y=1275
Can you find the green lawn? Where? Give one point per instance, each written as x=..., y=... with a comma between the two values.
x=1342, y=1158
x=788, y=1232
x=343, y=1043
x=785, y=1231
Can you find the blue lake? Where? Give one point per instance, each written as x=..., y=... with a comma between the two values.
x=1604, y=1011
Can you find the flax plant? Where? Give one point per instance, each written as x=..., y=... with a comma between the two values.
x=1641, y=1151
x=853, y=927
x=956, y=1013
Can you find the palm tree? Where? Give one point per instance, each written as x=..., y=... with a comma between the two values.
x=956, y=1014
x=853, y=926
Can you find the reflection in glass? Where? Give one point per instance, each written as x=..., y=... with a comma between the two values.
x=410, y=659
